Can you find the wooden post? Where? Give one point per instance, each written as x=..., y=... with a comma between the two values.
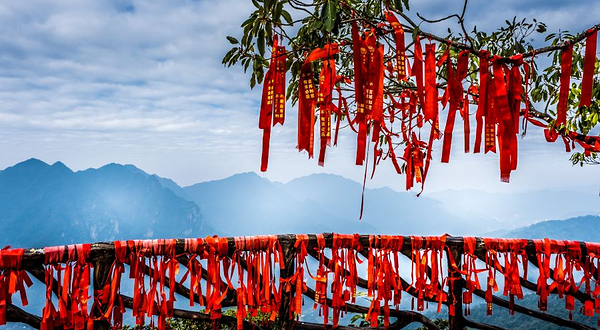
x=456, y=322
x=102, y=265
x=285, y=316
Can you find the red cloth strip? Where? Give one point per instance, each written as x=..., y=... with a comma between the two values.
x=589, y=63
x=566, y=61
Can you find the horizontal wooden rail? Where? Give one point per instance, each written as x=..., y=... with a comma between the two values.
x=102, y=255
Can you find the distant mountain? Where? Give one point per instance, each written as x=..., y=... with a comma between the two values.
x=585, y=228
x=501, y=318
x=247, y=204
x=43, y=205
x=506, y=211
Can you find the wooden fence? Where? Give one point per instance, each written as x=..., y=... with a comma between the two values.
x=444, y=270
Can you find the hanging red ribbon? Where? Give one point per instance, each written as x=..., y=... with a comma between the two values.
x=431, y=93
x=427, y=270
x=272, y=108
x=566, y=61
x=325, y=103
x=454, y=92
x=482, y=104
x=307, y=97
x=400, y=47
x=13, y=279
x=384, y=282
x=587, y=80
x=417, y=70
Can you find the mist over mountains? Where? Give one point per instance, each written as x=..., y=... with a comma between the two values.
x=42, y=205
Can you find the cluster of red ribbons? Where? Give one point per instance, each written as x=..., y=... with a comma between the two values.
x=257, y=283
x=568, y=260
x=72, y=284
x=588, y=143
x=503, y=83
x=565, y=267
x=512, y=251
x=384, y=282
x=13, y=279
x=427, y=274
x=272, y=108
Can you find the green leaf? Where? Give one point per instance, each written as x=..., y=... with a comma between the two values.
x=406, y=4
x=232, y=40
x=268, y=4
x=329, y=14
x=260, y=42
x=398, y=5
x=541, y=28
x=286, y=15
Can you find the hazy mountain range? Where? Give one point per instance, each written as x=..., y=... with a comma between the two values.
x=42, y=204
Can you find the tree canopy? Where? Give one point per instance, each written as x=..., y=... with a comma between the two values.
x=369, y=67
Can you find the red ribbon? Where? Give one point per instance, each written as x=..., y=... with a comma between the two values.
x=566, y=61
x=13, y=279
x=400, y=47
x=327, y=79
x=384, y=282
x=272, y=108
x=431, y=93
x=427, y=252
x=307, y=94
x=589, y=63
x=417, y=70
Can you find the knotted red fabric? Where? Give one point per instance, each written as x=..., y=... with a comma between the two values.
x=470, y=272
x=345, y=277
x=321, y=281
x=72, y=284
x=13, y=279
x=51, y=317
x=454, y=93
x=513, y=251
x=427, y=272
x=258, y=288
x=384, y=282
x=297, y=280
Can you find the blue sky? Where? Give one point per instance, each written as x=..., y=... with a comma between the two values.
x=141, y=82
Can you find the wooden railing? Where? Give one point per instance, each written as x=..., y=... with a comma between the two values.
x=446, y=282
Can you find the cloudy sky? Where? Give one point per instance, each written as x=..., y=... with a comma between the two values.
x=141, y=82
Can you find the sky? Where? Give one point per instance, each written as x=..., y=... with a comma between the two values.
x=141, y=82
